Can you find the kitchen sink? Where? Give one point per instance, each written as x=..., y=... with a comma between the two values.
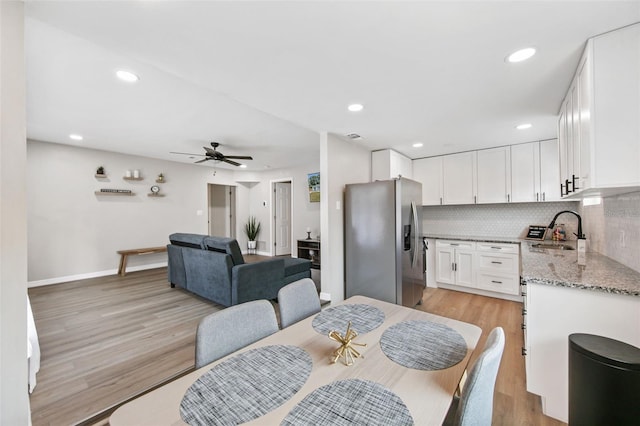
x=552, y=246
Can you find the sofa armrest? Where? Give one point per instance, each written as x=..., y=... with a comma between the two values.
x=259, y=280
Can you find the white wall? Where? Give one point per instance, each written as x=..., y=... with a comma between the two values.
x=341, y=162
x=305, y=214
x=14, y=403
x=74, y=232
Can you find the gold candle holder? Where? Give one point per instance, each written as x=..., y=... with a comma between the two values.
x=346, y=351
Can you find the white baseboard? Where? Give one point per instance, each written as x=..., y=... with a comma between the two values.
x=68, y=278
x=325, y=296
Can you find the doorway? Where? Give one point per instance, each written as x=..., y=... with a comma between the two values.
x=222, y=210
x=282, y=216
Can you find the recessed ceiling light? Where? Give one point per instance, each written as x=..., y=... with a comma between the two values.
x=523, y=126
x=127, y=76
x=521, y=55
x=418, y=144
x=75, y=137
x=243, y=166
x=355, y=107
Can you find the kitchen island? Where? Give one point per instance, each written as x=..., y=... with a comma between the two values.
x=561, y=298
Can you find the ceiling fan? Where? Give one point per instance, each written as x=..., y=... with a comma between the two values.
x=213, y=154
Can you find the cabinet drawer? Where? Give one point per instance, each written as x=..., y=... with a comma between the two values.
x=498, y=248
x=455, y=244
x=496, y=263
x=498, y=283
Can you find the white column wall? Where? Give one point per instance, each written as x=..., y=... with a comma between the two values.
x=14, y=403
x=341, y=162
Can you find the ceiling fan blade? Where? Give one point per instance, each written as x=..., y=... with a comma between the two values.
x=226, y=160
x=202, y=161
x=210, y=151
x=186, y=153
x=239, y=157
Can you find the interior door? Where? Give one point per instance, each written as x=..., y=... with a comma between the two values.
x=222, y=210
x=282, y=219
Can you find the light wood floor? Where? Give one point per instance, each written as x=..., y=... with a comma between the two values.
x=513, y=405
x=105, y=339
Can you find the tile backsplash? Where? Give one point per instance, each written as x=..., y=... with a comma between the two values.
x=613, y=228
x=500, y=220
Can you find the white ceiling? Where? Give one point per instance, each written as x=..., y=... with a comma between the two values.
x=264, y=78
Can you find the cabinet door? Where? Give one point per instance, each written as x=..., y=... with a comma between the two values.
x=525, y=171
x=380, y=165
x=584, y=110
x=549, y=171
x=493, y=185
x=400, y=166
x=562, y=147
x=465, y=268
x=428, y=171
x=458, y=171
x=444, y=265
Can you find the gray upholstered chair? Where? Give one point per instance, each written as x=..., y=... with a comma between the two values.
x=297, y=301
x=475, y=405
x=233, y=328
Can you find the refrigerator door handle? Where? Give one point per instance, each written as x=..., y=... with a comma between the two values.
x=414, y=211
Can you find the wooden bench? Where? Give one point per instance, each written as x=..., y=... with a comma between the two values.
x=125, y=253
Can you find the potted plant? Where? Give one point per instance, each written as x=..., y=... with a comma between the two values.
x=252, y=229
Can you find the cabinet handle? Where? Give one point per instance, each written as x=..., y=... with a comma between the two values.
x=523, y=326
x=453, y=266
x=497, y=263
x=566, y=186
x=523, y=293
x=454, y=244
x=537, y=196
x=440, y=200
x=524, y=312
x=544, y=196
x=496, y=248
x=496, y=282
x=574, y=178
x=508, y=198
x=562, y=190
x=475, y=199
x=524, y=351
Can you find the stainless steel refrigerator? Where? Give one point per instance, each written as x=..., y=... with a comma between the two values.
x=383, y=244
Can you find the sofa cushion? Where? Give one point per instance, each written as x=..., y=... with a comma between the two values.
x=294, y=266
x=188, y=240
x=225, y=245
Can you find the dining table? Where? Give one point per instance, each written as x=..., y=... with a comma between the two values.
x=405, y=369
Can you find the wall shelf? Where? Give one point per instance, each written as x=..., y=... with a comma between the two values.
x=151, y=194
x=114, y=193
x=101, y=176
x=132, y=178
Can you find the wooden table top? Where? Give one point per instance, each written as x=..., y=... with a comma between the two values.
x=427, y=394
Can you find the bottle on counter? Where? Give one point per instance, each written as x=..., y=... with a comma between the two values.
x=563, y=234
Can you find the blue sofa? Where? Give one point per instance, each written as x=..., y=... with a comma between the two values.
x=213, y=268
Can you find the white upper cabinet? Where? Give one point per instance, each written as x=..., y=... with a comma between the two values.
x=598, y=121
x=535, y=172
x=428, y=171
x=458, y=178
x=549, y=189
x=389, y=164
x=493, y=175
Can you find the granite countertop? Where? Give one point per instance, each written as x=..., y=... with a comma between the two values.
x=482, y=239
x=560, y=268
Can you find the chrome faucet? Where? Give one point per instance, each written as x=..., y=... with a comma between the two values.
x=580, y=235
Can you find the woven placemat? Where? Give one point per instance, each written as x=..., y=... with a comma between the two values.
x=350, y=402
x=364, y=318
x=423, y=345
x=247, y=386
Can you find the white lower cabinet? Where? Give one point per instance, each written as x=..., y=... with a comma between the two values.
x=552, y=314
x=487, y=268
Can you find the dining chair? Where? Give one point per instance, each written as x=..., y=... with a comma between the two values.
x=475, y=405
x=297, y=301
x=233, y=328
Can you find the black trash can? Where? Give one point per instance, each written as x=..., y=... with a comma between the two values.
x=604, y=381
